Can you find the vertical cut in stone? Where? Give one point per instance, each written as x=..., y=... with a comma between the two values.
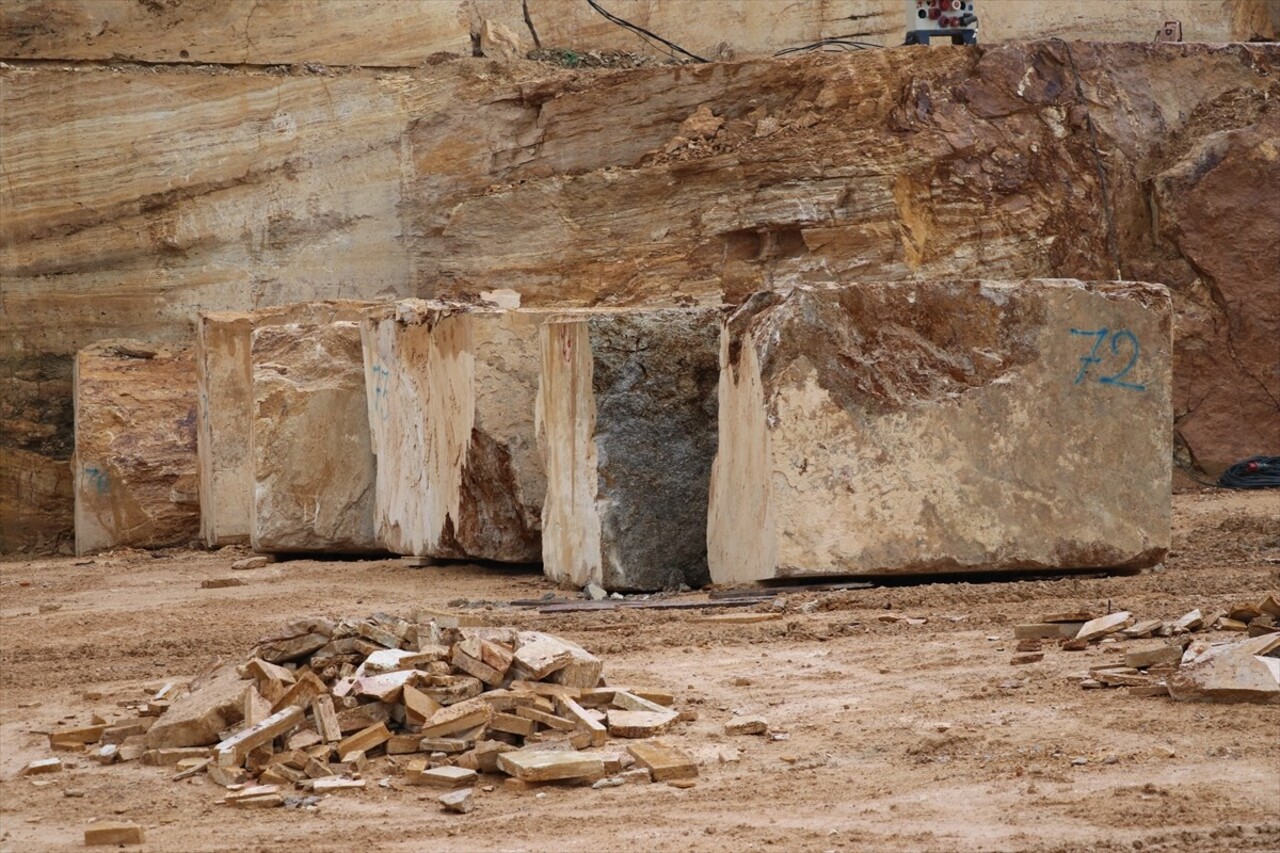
x=225, y=410
x=944, y=426
x=451, y=394
x=313, y=463
x=135, y=456
x=627, y=422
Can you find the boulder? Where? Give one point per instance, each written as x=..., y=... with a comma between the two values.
x=224, y=413
x=627, y=422
x=196, y=718
x=946, y=426
x=451, y=394
x=313, y=463
x=135, y=456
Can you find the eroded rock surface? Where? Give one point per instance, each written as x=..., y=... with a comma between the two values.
x=135, y=459
x=627, y=414
x=451, y=393
x=313, y=463
x=941, y=427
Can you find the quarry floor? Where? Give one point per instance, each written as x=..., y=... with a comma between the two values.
x=901, y=737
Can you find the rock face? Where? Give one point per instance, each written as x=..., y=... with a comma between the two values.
x=313, y=464
x=135, y=460
x=224, y=415
x=451, y=393
x=203, y=189
x=942, y=427
x=627, y=414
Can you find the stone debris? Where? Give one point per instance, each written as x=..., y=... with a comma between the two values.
x=832, y=399
x=627, y=422
x=134, y=467
x=113, y=833
x=322, y=705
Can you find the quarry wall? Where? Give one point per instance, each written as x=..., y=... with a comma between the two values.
x=141, y=187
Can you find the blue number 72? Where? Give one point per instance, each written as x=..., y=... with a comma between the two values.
x=1100, y=335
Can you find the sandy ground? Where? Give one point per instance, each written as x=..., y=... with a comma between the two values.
x=901, y=737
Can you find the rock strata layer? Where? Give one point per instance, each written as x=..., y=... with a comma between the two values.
x=451, y=392
x=943, y=427
x=135, y=457
x=313, y=463
x=627, y=420
x=224, y=416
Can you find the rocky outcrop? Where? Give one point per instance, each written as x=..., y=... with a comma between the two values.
x=224, y=414
x=943, y=427
x=451, y=392
x=234, y=188
x=313, y=464
x=626, y=417
x=135, y=459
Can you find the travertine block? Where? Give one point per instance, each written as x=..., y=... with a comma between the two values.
x=941, y=427
x=627, y=421
x=313, y=464
x=224, y=413
x=451, y=393
x=135, y=457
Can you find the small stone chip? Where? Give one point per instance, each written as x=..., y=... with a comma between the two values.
x=755, y=725
x=459, y=801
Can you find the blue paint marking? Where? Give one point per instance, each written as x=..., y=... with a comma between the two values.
x=98, y=478
x=380, y=374
x=1087, y=361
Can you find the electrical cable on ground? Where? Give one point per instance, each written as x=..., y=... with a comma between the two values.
x=1256, y=472
x=641, y=31
x=824, y=44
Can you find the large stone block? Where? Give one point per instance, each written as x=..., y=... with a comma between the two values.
x=313, y=464
x=627, y=412
x=135, y=457
x=224, y=413
x=943, y=427
x=451, y=393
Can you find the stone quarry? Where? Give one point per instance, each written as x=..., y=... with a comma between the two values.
x=852, y=385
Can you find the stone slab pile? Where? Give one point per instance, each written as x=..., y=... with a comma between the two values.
x=135, y=439
x=225, y=412
x=627, y=420
x=451, y=393
x=312, y=457
x=943, y=426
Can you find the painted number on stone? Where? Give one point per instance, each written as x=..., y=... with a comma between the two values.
x=1122, y=340
x=97, y=479
x=380, y=375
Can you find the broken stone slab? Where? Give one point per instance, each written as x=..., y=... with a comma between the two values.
x=135, y=447
x=224, y=411
x=196, y=718
x=904, y=427
x=1096, y=629
x=451, y=392
x=313, y=463
x=1243, y=671
x=627, y=422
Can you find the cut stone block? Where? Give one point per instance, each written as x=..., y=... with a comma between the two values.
x=627, y=420
x=313, y=464
x=224, y=413
x=451, y=392
x=135, y=456
x=947, y=426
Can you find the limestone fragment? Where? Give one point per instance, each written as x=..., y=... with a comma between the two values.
x=113, y=832
x=450, y=393
x=1095, y=629
x=313, y=464
x=459, y=801
x=664, y=762
x=135, y=439
x=753, y=725
x=903, y=427
x=530, y=765
x=626, y=414
x=196, y=718
x=1242, y=671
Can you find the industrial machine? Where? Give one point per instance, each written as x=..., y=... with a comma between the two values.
x=928, y=19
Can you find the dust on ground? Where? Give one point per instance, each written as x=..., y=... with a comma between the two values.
x=901, y=737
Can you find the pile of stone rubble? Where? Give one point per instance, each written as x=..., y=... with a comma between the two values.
x=325, y=705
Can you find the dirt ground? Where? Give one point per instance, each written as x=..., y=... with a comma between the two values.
x=900, y=737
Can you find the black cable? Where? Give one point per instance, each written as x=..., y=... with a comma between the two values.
x=843, y=44
x=641, y=31
x=1256, y=472
x=1191, y=474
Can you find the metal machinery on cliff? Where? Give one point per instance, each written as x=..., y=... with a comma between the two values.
x=935, y=18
